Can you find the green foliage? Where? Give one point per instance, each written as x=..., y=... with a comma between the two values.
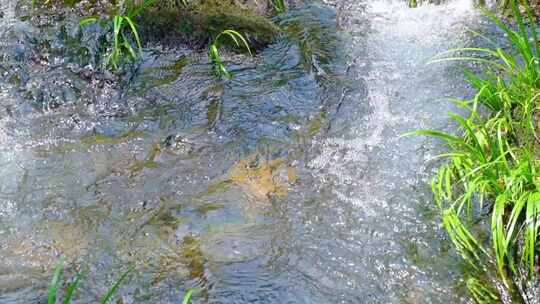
x=480, y=293
x=238, y=40
x=505, y=6
x=54, y=286
x=494, y=164
x=279, y=5
x=187, y=296
x=55, y=282
x=114, y=289
x=125, y=41
x=212, y=17
x=70, y=291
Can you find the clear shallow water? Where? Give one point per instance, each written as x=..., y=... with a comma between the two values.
x=288, y=184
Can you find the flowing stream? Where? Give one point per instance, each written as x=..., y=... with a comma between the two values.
x=291, y=183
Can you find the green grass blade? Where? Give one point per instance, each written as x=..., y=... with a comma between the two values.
x=127, y=46
x=134, y=31
x=114, y=289
x=187, y=297
x=466, y=49
x=531, y=230
x=477, y=148
x=442, y=135
x=279, y=5
x=464, y=241
x=526, y=45
x=469, y=59
x=517, y=211
x=86, y=21
x=480, y=293
x=534, y=29
x=234, y=35
x=484, y=37
x=498, y=233
x=70, y=291
x=55, y=282
x=117, y=27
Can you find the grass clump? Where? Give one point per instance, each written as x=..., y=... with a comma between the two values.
x=279, y=5
x=493, y=172
x=124, y=26
x=54, y=286
x=53, y=295
x=125, y=40
x=506, y=6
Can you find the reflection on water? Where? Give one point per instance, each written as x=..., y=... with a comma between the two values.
x=287, y=184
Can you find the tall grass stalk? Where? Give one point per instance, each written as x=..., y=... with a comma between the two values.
x=238, y=40
x=125, y=41
x=55, y=282
x=493, y=165
x=279, y=5
x=187, y=297
x=54, y=293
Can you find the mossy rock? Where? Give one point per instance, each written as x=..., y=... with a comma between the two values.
x=198, y=24
x=170, y=22
x=79, y=8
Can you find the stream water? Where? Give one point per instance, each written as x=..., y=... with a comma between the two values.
x=290, y=183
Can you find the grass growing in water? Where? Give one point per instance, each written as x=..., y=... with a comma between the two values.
x=493, y=172
x=279, y=5
x=126, y=43
x=54, y=287
x=238, y=39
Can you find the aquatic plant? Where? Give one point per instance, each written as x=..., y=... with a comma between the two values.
x=279, y=5
x=506, y=5
x=187, y=297
x=174, y=21
x=239, y=41
x=494, y=164
x=54, y=286
x=124, y=31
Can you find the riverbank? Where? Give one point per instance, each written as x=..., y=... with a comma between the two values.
x=489, y=191
x=285, y=183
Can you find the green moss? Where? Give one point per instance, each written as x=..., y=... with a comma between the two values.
x=206, y=208
x=148, y=162
x=162, y=75
x=215, y=17
x=101, y=139
x=200, y=23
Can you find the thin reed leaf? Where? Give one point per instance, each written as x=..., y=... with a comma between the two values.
x=187, y=297
x=70, y=291
x=55, y=282
x=114, y=289
x=468, y=59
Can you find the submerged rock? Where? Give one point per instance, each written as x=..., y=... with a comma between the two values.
x=264, y=178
